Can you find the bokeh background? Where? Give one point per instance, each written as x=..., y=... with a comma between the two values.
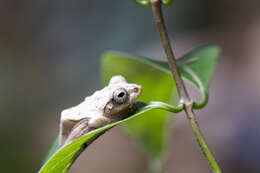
x=50, y=54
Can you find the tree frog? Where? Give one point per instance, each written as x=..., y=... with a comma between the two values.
x=105, y=106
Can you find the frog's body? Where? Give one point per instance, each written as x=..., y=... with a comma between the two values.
x=103, y=107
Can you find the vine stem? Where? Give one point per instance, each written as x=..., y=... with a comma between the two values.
x=182, y=91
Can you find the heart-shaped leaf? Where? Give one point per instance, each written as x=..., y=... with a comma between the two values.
x=155, y=77
x=196, y=67
x=149, y=129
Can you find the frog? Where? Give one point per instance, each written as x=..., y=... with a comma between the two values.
x=105, y=106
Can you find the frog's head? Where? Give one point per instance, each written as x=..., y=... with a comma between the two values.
x=122, y=96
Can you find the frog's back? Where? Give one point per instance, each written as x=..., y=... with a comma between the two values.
x=92, y=106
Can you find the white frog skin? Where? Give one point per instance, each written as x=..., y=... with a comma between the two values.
x=105, y=106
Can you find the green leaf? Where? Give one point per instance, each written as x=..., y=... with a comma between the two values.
x=151, y=129
x=61, y=160
x=155, y=77
x=196, y=67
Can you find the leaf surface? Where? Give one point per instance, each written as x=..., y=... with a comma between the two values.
x=151, y=128
x=155, y=77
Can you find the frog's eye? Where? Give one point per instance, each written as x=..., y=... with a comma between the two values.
x=120, y=96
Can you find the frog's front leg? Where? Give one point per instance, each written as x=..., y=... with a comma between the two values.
x=95, y=123
x=86, y=125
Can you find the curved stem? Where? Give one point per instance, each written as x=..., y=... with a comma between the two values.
x=203, y=102
x=183, y=94
x=165, y=106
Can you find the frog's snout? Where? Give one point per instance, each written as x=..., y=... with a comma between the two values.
x=136, y=91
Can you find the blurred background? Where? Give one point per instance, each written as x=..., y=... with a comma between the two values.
x=50, y=54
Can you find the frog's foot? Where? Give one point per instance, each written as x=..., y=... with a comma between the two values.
x=78, y=130
x=86, y=125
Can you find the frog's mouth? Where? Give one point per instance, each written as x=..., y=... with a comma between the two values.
x=134, y=107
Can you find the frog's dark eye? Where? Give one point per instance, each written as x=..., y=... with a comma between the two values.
x=120, y=96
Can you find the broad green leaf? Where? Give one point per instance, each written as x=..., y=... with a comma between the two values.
x=196, y=67
x=61, y=160
x=155, y=77
x=151, y=129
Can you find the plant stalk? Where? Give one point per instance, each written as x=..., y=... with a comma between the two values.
x=157, y=11
x=182, y=91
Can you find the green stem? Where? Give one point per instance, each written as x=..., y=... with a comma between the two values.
x=165, y=106
x=157, y=11
x=182, y=91
x=200, y=139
